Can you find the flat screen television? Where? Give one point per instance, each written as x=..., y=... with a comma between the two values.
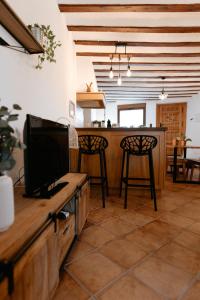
x=46, y=157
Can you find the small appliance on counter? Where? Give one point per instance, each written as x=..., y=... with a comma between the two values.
x=96, y=124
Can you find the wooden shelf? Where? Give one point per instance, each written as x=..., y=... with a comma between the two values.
x=90, y=100
x=13, y=24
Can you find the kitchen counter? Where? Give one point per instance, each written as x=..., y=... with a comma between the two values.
x=122, y=129
x=138, y=165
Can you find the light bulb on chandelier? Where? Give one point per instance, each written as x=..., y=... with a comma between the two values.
x=119, y=80
x=128, y=73
x=111, y=74
x=163, y=95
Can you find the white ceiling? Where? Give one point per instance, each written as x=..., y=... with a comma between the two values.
x=186, y=19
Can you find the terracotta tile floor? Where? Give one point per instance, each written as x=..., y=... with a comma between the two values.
x=137, y=254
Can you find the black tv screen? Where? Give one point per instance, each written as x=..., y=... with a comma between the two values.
x=46, y=157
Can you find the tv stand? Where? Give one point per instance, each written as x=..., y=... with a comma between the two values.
x=37, y=244
x=49, y=193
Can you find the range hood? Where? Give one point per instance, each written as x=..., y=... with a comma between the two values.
x=90, y=100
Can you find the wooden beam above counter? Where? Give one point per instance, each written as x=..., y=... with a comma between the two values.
x=122, y=55
x=150, y=63
x=138, y=44
x=129, y=29
x=104, y=8
x=149, y=70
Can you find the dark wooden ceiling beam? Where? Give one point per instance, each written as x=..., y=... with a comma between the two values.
x=149, y=82
x=146, y=70
x=103, y=8
x=122, y=55
x=128, y=29
x=147, y=87
x=151, y=77
x=147, y=97
x=141, y=89
x=142, y=63
x=143, y=93
x=137, y=44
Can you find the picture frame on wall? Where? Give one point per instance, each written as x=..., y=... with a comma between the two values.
x=71, y=109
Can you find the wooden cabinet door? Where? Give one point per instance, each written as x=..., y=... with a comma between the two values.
x=172, y=116
x=36, y=275
x=83, y=207
x=66, y=235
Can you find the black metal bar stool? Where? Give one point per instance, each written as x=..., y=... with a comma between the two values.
x=139, y=145
x=91, y=145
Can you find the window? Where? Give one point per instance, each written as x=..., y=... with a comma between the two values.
x=132, y=115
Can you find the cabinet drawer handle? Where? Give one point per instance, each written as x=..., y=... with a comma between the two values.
x=66, y=229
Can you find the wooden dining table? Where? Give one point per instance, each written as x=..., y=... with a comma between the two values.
x=189, y=163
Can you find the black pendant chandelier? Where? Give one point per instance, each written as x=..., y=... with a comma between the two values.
x=118, y=55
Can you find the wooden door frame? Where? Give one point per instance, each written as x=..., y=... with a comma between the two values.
x=183, y=124
x=157, y=111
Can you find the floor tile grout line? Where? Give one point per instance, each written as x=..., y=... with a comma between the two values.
x=110, y=283
x=171, y=264
x=79, y=282
x=81, y=256
x=185, y=291
x=131, y=269
x=124, y=236
x=158, y=292
x=96, y=249
x=151, y=254
x=127, y=272
x=94, y=294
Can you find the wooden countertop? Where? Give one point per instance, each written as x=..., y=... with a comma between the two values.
x=122, y=129
x=31, y=214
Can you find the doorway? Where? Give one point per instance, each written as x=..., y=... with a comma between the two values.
x=172, y=116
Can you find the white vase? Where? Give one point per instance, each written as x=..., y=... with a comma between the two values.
x=6, y=202
x=38, y=34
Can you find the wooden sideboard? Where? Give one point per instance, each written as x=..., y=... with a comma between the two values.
x=138, y=165
x=35, y=246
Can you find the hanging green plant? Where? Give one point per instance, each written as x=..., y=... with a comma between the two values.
x=45, y=36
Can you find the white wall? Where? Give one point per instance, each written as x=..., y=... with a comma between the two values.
x=85, y=74
x=111, y=111
x=193, y=124
x=45, y=92
x=193, y=112
x=192, y=118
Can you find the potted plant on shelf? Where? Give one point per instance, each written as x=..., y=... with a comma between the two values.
x=46, y=38
x=184, y=140
x=8, y=141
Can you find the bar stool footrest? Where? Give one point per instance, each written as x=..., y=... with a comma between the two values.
x=139, y=185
